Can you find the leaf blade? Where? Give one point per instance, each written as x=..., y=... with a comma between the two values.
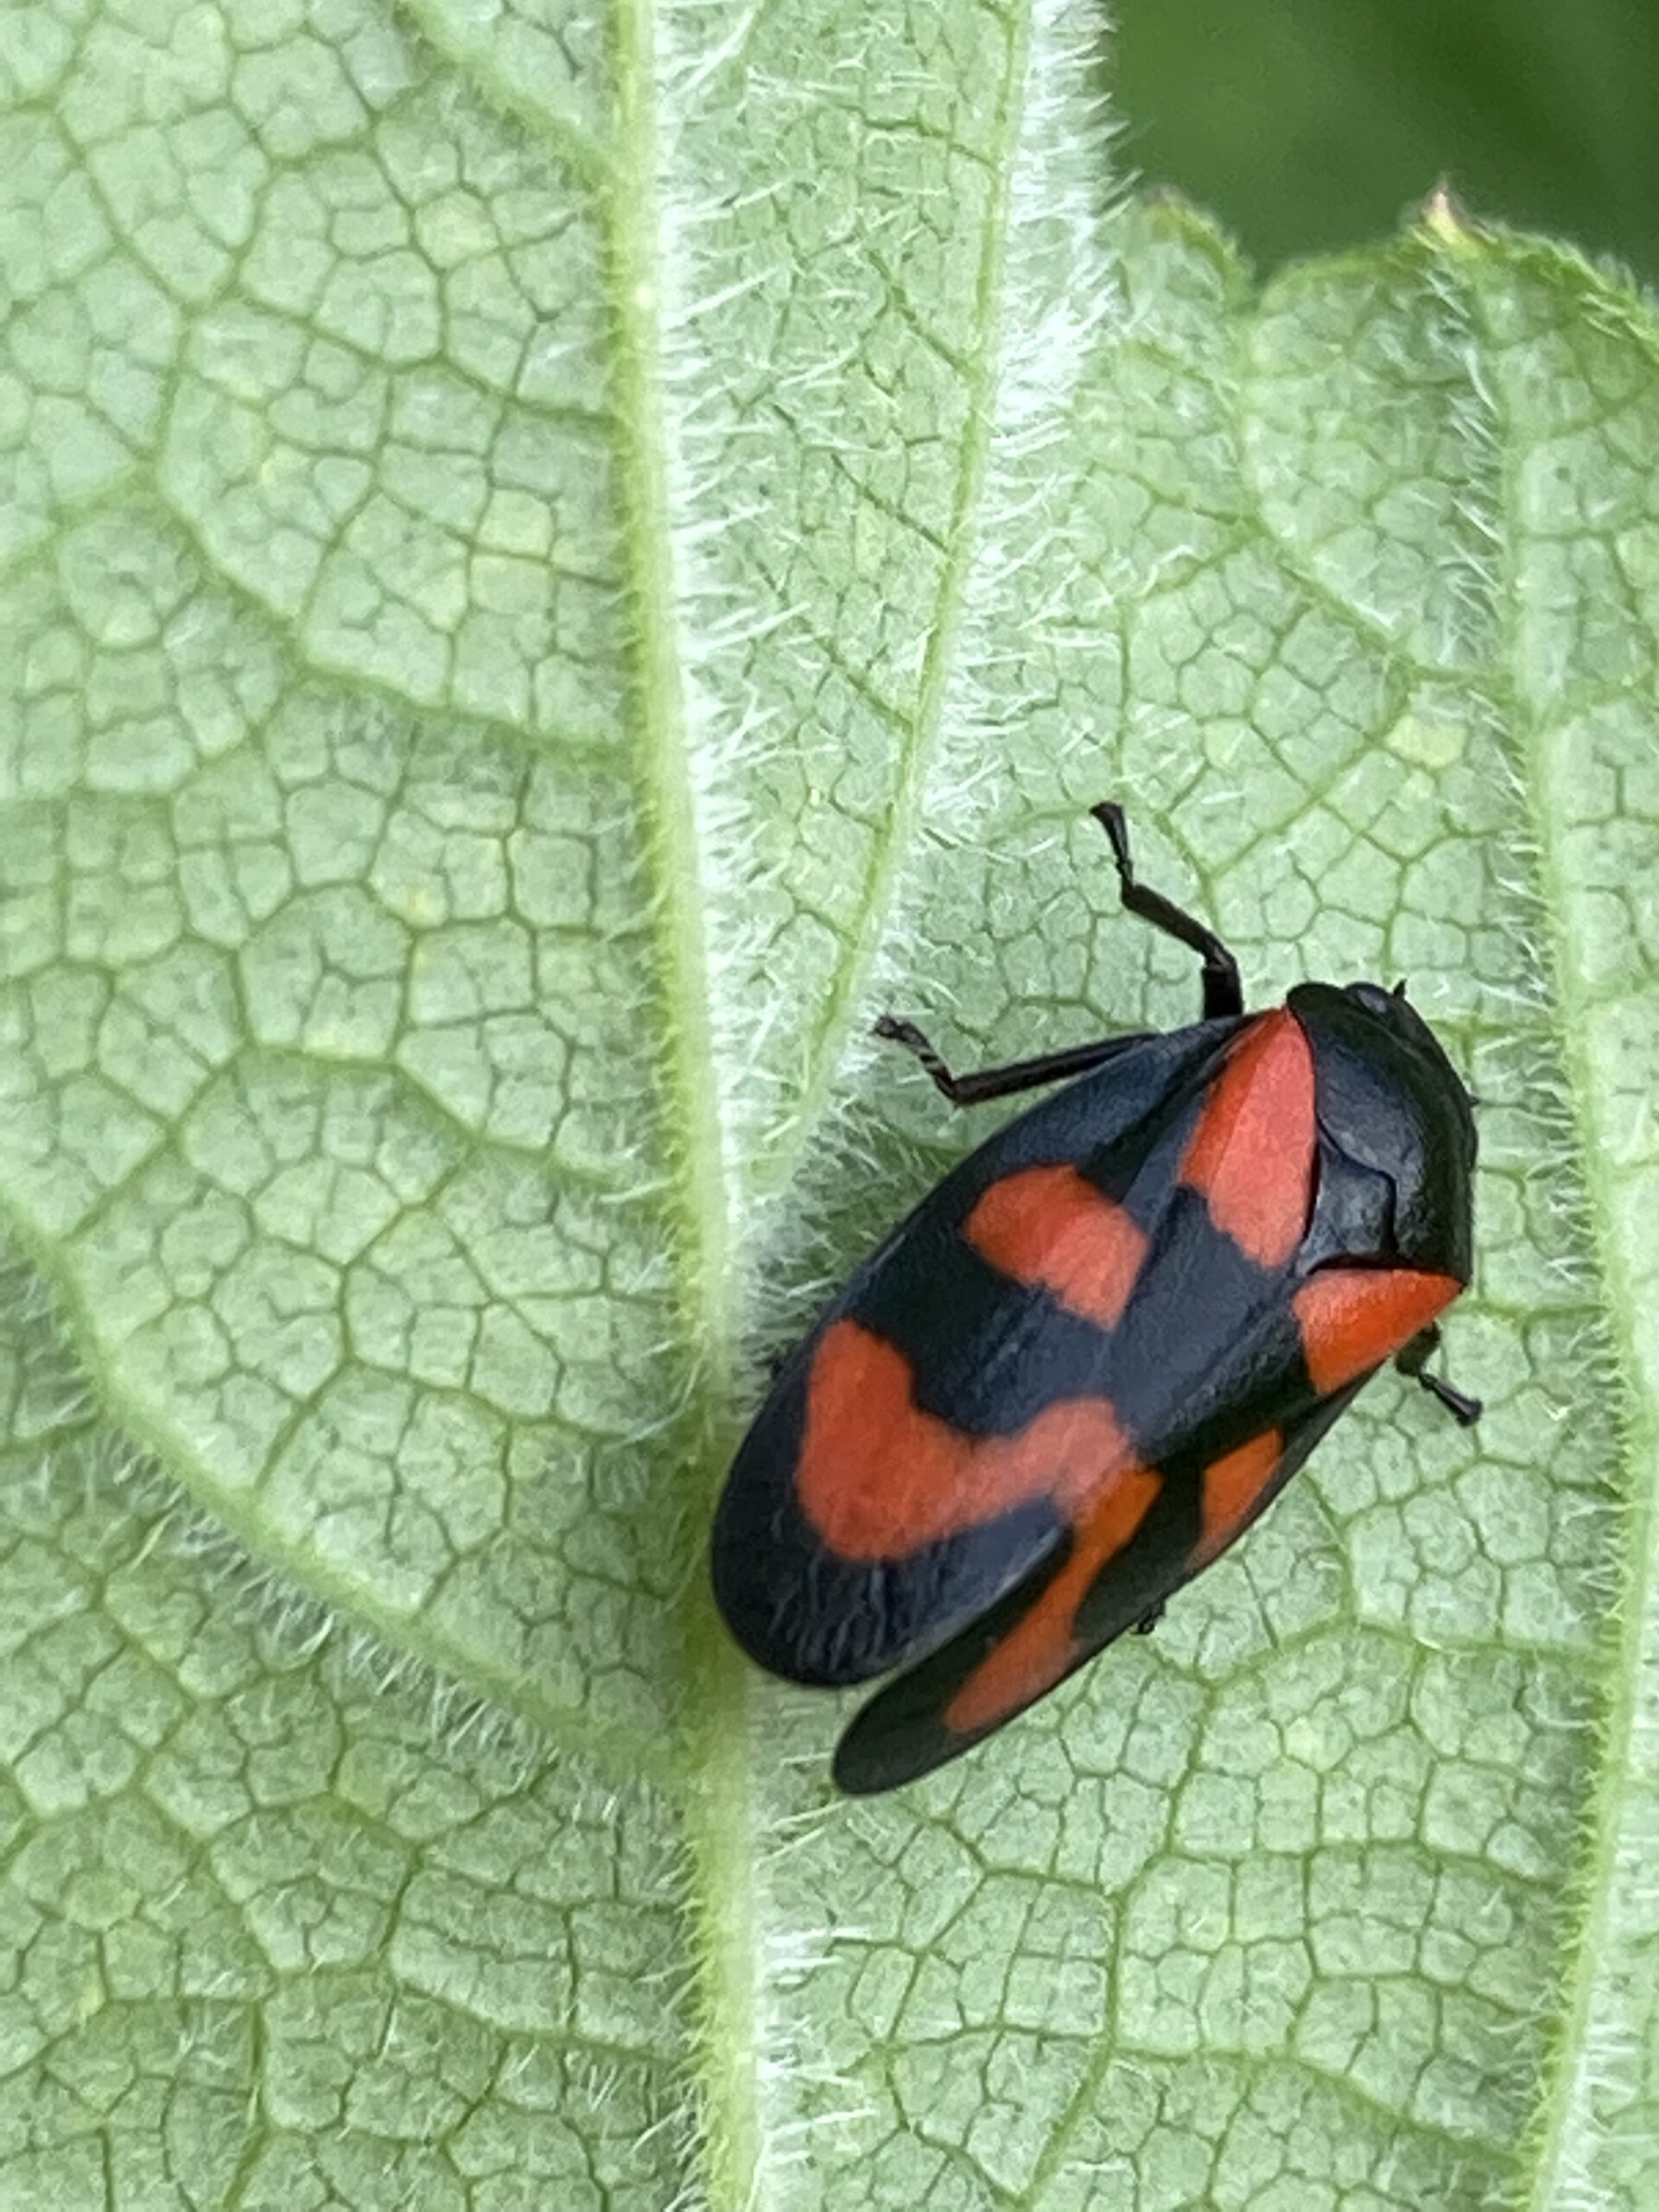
x=400, y=1104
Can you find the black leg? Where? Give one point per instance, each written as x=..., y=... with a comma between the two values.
x=1464, y=1409
x=1224, y=994
x=1150, y=1619
x=1000, y=1083
x=1224, y=997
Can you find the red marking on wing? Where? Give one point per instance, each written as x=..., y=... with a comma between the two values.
x=1051, y=1226
x=878, y=1477
x=1252, y=1153
x=1353, y=1319
x=1042, y=1645
x=1232, y=1485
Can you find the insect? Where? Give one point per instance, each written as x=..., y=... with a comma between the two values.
x=1098, y=1350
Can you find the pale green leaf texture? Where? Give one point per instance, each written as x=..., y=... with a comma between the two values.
x=553, y=560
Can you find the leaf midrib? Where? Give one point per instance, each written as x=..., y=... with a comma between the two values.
x=719, y=1817
x=717, y=1802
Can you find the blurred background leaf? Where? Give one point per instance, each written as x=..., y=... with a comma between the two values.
x=1310, y=123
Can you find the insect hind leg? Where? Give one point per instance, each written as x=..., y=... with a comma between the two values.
x=1224, y=994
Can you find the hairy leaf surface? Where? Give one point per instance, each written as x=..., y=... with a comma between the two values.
x=553, y=563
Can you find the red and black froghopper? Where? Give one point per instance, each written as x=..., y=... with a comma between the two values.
x=1096, y=1350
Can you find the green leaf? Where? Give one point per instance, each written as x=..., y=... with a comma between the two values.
x=552, y=566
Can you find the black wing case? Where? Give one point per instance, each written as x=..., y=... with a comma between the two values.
x=931, y=1714
x=981, y=1354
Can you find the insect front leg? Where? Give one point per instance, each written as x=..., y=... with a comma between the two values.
x=1464, y=1409
x=1224, y=994
x=998, y=1083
